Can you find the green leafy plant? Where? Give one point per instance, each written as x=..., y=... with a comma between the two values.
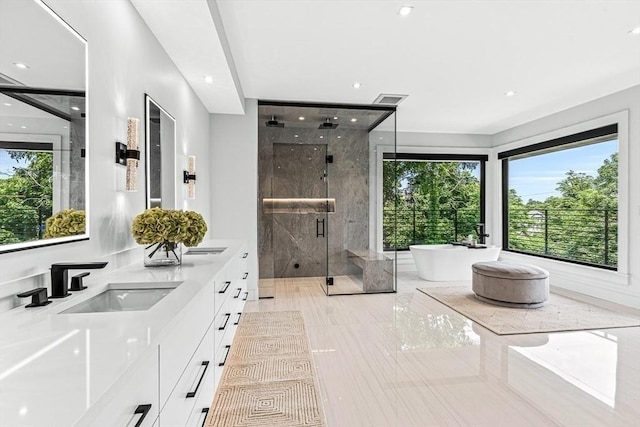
x=67, y=222
x=166, y=228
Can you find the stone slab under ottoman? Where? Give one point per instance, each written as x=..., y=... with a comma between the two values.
x=510, y=284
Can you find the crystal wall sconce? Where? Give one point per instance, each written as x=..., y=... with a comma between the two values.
x=129, y=155
x=189, y=178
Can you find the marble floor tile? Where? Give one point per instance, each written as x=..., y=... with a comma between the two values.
x=405, y=359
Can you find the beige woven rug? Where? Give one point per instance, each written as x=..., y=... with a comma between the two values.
x=558, y=314
x=268, y=379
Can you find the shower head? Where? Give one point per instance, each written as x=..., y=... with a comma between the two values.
x=273, y=123
x=328, y=124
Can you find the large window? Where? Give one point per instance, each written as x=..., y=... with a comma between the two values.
x=431, y=198
x=560, y=198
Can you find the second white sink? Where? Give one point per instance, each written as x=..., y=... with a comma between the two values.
x=133, y=296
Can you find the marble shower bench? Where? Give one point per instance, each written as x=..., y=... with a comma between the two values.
x=377, y=270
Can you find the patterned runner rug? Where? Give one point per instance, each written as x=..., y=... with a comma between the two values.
x=558, y=314
x=268, y=379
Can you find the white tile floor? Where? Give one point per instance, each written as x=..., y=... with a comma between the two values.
x=404, y=359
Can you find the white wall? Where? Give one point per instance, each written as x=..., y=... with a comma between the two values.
x=624, y=108
x=234, y=186
x=125, y=62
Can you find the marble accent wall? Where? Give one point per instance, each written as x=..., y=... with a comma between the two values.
x=291, y=166
x=77, y=164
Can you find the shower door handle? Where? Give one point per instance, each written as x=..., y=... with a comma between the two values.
x=319, y=230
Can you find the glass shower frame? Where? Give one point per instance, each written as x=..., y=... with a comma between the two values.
x=349, y=229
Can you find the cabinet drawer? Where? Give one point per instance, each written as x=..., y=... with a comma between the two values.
x=203, y=402
x=178, y=347
x=131, y=400
x=196, y=379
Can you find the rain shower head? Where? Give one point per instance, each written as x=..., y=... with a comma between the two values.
x=328, y=125
x=273, y=123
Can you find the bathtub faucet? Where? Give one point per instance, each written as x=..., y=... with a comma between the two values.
x=481, y=232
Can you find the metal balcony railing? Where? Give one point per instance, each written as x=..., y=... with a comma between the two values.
x=404, y=227
x=587, y=236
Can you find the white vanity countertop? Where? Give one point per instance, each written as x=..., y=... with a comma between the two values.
x=53, y=366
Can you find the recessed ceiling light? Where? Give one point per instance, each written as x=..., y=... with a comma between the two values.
x=405, y=10
x=64, y=127
x=335, y=118
x=321, y=136
x=208, y=79
x=301, y=118
x=634, y=31
x=9, y=124
x=356, y=85
x=23, y=127
x=21, y=65
x=6, y=104
x=339, y=137
x=74, y=108
x=295, y=136
x=354, y=120
x=510, y=93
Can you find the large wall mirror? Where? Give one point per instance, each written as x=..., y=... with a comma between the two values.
x=161, y=156
x=43, y=132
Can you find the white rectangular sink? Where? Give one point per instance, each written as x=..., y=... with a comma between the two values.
x=132, y=296
x=204, y=251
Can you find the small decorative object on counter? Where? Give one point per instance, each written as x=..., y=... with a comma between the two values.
x=163, y=231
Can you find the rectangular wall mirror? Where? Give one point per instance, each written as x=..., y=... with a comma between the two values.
x=43, y=132
x=161, y=178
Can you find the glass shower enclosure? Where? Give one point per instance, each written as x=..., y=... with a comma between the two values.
x=320, y=197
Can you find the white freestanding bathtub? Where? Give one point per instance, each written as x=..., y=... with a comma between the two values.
x=446, y=263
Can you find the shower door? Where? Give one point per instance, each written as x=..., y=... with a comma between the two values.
x=300, y=222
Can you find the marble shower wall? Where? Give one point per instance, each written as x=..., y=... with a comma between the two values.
x=292, y=167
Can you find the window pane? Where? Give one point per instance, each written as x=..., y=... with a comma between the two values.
x=564, y=204
x=434, y=202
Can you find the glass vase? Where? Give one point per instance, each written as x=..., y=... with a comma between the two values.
x=163, y=254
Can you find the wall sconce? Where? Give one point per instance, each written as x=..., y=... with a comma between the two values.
x=189, y=178
x=129, y=155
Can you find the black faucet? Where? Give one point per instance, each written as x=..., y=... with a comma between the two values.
x=481, y=233
x=59, y=282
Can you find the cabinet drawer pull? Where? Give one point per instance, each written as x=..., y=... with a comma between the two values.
x=246, y=295
x=237, y=321
x=144, y=410
x=205, y=411
x=204, y=371
x=238, y=294
x=228, y=316
x=226, y=286
x=228, y=347
x=245, y=276
x=246, y=254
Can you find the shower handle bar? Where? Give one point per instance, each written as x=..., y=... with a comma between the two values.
x=319, y=222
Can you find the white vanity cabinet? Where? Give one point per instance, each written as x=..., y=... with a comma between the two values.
x=133, y=401
x=189, y=385
x=157, y=367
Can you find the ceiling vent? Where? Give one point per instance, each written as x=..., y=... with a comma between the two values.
x=389, y=99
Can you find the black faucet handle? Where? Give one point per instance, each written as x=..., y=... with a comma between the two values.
x=76, y=282
x=38, y=296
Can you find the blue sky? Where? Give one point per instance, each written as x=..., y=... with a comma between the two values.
x=537, y=177
x=7, y=164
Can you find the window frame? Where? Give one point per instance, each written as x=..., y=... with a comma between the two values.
x=609, y=130
x=482, y=159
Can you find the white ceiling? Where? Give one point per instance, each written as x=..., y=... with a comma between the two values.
x=455, y=59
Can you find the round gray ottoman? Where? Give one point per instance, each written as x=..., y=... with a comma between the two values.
x=510, y=284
